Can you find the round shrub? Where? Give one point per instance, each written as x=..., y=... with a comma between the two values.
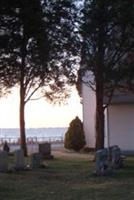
x=74, y=137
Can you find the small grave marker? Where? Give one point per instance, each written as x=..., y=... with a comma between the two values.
x=3, y=161
x=116, y=157
x=45, y=150
x=101, y=161
x=35, y=160
x=19, y=160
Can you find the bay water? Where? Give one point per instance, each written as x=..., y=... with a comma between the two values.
x=33, y=132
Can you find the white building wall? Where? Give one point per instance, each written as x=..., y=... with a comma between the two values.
x=89, y=104
x=121, y=126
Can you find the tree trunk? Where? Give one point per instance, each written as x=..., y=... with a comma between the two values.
x=99, y=125
x=22, y=96
x=99, y=111
x=99, y=76
x=22, y=120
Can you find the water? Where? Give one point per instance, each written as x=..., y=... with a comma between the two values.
x=33, y=132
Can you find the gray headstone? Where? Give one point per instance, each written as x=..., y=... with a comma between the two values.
x=36, y=160
x=19, y=159
x=116, y=157
x=45, y=149
x=101, y=164
x=3, y=161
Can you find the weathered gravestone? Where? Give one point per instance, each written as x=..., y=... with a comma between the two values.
x=3, y=161
x=19, y=160
x=36, y=160
x=116, y=157
x=102, y=163
x=6, y=147
x=45, y=150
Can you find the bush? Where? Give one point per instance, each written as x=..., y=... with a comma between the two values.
x=74, y=137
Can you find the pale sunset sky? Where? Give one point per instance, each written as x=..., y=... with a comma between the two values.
x=39, y=113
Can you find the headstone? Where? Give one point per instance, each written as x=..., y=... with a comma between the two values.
x=102, y=163
x=45, y=150
x=116, y=157
x=3, y=161
x=35, y=160
x=19, y=160
x=6, y=147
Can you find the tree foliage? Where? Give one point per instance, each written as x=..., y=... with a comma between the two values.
x=108, y=37
x=35, y=52
x=50, y=57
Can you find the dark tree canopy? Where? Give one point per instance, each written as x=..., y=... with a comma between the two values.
x=35, y=52
x=108, y=37
x=41, y=29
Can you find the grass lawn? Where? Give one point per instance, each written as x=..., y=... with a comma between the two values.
x=68, y=179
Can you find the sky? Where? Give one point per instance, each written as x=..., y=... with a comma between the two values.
x=39, y=113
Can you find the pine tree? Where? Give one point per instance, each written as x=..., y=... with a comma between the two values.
x=74, y=137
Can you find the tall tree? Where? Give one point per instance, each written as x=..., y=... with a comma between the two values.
x=36, y=54
x=21, y=53
x=108, y=37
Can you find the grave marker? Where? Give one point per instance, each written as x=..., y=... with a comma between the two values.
x=3, y=161
x=19, y=160
x=45, y=150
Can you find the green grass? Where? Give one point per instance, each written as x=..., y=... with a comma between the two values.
x=68, y=179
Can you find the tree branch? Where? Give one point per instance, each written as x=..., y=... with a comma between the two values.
x=31, y=94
